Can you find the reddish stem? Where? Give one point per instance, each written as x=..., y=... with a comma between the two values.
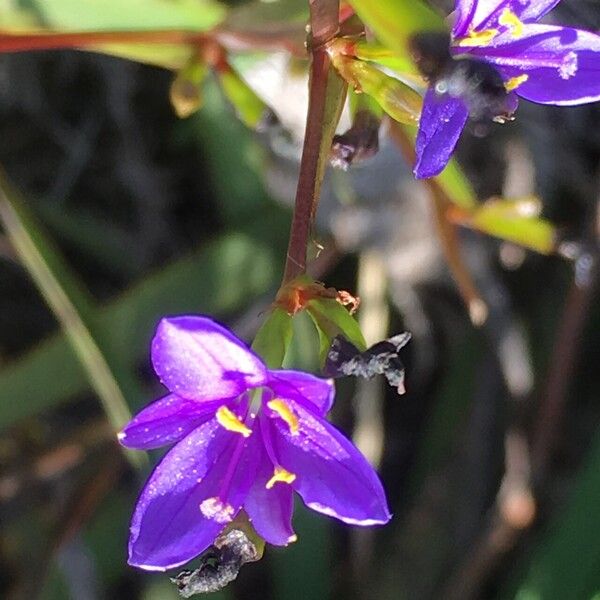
x=324, y=22
x=50, y=41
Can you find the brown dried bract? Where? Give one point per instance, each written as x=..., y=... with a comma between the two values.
x=295, y=296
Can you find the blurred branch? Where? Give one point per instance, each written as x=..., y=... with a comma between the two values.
x=94, y=40
x=448, y=235
x=515, y=508
x=563, y=360
x=513, y=512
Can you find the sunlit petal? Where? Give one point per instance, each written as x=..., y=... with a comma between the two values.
x=199, y=359
x=442, y=121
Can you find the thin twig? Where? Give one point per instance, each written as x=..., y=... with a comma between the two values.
x=560, y=371
x=448, y=234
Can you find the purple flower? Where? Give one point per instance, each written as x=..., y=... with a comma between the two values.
x=245, y=437
x=499, y=42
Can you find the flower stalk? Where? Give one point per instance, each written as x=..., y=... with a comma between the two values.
x=326, y=98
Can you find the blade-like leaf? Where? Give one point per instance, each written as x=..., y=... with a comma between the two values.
x=68, y=303
x=332, y=319
x=567, y=562
x=273, y=338
x=394, y=21
x=110, y=15
x=62, y=16
x=514, y=220
x=214, y=280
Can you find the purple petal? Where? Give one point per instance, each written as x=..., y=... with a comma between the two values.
x=165, y=421
x=442, y=121
x=198, y=359
x=168, y=527
x=561, y=65
x=463, y=17
x=332, y=476
x=484, y=14
x=534, y=9
x=270, y=510
x=313, y=392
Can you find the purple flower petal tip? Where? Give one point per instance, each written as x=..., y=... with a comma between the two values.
x=442, y=122
x=245, y=438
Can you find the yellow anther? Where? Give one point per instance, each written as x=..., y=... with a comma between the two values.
x=510, y=20
x=477, y=38
x=231, y=422
x=280, y=474
x=285, y=412
x=514, y=82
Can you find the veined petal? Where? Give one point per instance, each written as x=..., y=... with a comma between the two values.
x=561, y=64
x=270, y=509
x=165, y=421
x=199, y=359
x=442, y=121
x=533, y=9
x=485, y=14
x=464, y=10
x=184, y=504
x=313, y=392
x=332, y=476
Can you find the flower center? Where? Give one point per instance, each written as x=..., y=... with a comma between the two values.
x=217, y=508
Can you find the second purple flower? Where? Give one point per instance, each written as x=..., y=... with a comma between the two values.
x=497, y=52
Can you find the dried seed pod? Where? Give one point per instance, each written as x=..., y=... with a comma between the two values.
x=219, y=565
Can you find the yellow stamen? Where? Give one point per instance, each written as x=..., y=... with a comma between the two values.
x=280, y=474
x=231, y=422
x=514, y=82
x=293, y=538
x=477, y=38
x=510, y=20
x=285, y=412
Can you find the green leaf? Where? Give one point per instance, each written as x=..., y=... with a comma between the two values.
x=111, y=15
x=452, y=180
x=185, y=92
x=216, y=280
x=514, y=220
x=363, y=102
x=394, y=21
x=71, y=307
x=250, y=108
x=269, y=18
x=456, y=186
x=62, y=16
x=273, y=338
x=332, y=319
x=401, y=63
x=567, y=562
x=335, y=98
